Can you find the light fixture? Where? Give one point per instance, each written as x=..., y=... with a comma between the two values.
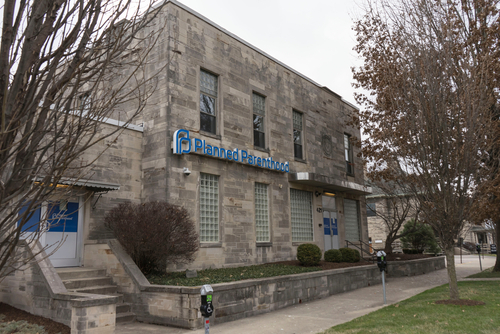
x=317, y=193
x=186, y=171
x=326, y=193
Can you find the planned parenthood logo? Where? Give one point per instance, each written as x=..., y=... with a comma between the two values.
x=183, y=144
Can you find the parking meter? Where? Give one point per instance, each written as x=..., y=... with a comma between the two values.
x=381, y=262
x=478, y=248
x=206, y=307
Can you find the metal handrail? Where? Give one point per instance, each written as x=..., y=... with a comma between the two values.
x=371, y=256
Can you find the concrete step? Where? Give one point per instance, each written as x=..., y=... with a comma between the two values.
x=77, y=283
x=125, y=317
x=75, y=273
x=99, y=290
x=123, y=308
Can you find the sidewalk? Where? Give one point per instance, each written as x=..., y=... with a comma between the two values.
x=319, y=315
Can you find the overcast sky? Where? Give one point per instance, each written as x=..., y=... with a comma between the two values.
x=313, y=37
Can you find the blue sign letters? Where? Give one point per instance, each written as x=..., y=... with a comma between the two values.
x=185, y=145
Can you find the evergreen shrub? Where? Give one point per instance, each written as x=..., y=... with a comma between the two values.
x=349, y=255
x=333, y=255
x=309, y=254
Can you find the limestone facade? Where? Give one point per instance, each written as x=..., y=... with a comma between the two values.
x=140, y=165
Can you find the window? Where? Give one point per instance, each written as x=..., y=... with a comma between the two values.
x=208, y=102
x=351, y=220
x=371, y=209
x=209, y=208
x=301, y=214
x=349, y=164
x=85, y=103
x=261, y=213
x=297, y=135
x=259, y=111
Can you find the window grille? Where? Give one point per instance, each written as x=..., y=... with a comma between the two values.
x=209, y=208
x=351, y=220
x=301, y=214
x=261, y=213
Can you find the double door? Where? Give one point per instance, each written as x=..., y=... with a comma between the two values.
x=58, y=226
x=331, y=230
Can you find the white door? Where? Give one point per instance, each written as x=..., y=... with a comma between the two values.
x=61, y=234
x=331, y=230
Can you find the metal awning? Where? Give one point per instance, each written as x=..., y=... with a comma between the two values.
x=329, y=183
x=95, y=186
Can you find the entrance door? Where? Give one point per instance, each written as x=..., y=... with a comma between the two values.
x=61, y=234
x=331, y=230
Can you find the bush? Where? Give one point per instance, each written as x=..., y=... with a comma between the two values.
x=333, y=255
x=418, y=236
x=154, y=234
x=350, y=255
x=357, y=255
x=308, y=254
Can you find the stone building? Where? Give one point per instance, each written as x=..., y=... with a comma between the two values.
x=259, y=154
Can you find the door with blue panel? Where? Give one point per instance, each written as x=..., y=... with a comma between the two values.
x=62, y=237
x=59, y=232
x=331, y=231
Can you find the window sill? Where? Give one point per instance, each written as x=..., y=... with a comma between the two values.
x=264, y=244
x=301, y=160
x=209, y=134
x=261, y=149
x=210, y=245
x=298, y=243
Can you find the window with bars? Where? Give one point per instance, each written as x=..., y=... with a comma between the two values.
x=209, y=208
x=208, y=102
x=297, y=135
x=301, y=214
x=261, y=213
x=349, y=163
x=259, y=111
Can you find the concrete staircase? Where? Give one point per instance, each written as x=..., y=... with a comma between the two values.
x=95, y=281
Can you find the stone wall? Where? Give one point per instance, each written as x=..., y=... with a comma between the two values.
x=37, y=289
x=118, y=159
x=415, y=267
x=191, y=44
x=179, y=306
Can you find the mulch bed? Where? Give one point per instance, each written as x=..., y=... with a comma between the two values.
x=14, y=314
x=460, y=302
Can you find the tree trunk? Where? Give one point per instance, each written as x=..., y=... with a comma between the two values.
x=452, y=273
x=497, y=230
x=388, y=245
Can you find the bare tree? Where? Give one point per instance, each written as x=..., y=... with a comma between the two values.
x=65, y=67
x=429, y=96
x=399, y=205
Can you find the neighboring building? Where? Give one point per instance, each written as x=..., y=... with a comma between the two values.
x=389, y=205
x=258, y=154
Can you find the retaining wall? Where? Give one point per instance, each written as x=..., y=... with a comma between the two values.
x=179, y=306
x=38, y=289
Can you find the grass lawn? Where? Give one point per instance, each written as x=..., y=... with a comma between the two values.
x=212, y=276
x=419, y=314
x=487, y=273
